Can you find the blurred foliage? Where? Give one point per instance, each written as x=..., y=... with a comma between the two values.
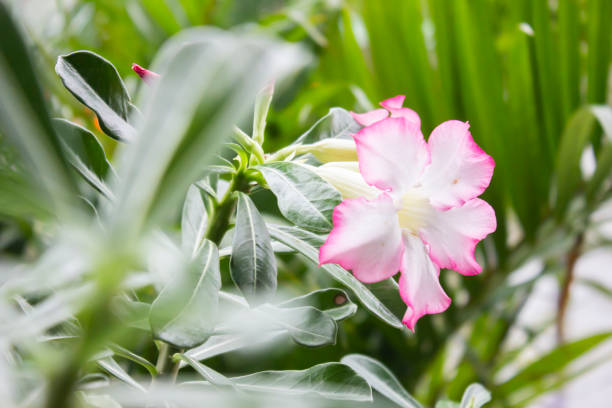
x=531, y=77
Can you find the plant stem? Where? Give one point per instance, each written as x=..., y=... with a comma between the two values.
x=564, y=295
x=176, y=367
x=162, y=358
x=220, y=219
x=217, y=228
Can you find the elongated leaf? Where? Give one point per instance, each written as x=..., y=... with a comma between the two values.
x=115, y=369
x=598, y=56
x=208, y=373
x=333, y=302
x=85, y=154
x=226, y=343
x=25, y=122
x=252, y=265
x=381, y=379
x=573, y=141
x=292, y=238
x=475, y=396
x=21, y=196
x=184, y=312
x=209, y=82
x=193, y=221
x=604, y=159
x=551, y=364
x=95, y=82
x=125, y=353
x=330, y=380
x=337, y=123
x=303, y=197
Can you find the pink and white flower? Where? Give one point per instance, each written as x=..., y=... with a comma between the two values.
x=419, y=211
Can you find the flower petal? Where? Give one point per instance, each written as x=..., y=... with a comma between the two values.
x=452, y=235
x=366, y=238
x=394, y=106
x=460, y=170
x=393, y=103
x=419, y=283
x=392, y=154
x=368, y=118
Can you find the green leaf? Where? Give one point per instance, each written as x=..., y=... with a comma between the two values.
x=208, y=373
x=550, y=365
x=262, y=105
x=184, y=312
x=303, y=197
x=604, y=159
x=294, y=238
x=226, y=343
x=381, y=379
x=252, y=265
x=332, y=301
x=330, y=380
x=21, y=195
x=85, y=154
x=337, y=123
x=24, y=120
x=110, y=365
x=125, y=353
x=133, y=314
x=95, y=82
x=475, y=396
x=194, y=221
x=306, y=325
x=575, y=137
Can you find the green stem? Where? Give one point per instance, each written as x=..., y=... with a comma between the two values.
x=162, y=358
x=219, y=223
x=220, y=219
x=176, y=367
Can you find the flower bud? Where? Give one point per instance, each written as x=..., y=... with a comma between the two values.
x=332, y=150
x=146, y=75
x=345, y=177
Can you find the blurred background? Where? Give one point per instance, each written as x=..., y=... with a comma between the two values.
x=531, y=77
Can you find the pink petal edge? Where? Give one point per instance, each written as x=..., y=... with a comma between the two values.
x=452, y=236
x=365, y=239
x=369, y=118
x=419, y=283
x=459, y=170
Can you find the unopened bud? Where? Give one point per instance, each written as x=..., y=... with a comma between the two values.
x=332, y=150
x=148, y=76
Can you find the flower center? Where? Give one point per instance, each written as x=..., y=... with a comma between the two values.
x=413, y=210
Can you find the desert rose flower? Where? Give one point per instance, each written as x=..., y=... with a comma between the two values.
x=145, y=74
x=411, y=208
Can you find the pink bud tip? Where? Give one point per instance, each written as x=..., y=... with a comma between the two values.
x=145, y=74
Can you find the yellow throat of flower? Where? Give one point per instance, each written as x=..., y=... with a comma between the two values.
x=413, y=210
